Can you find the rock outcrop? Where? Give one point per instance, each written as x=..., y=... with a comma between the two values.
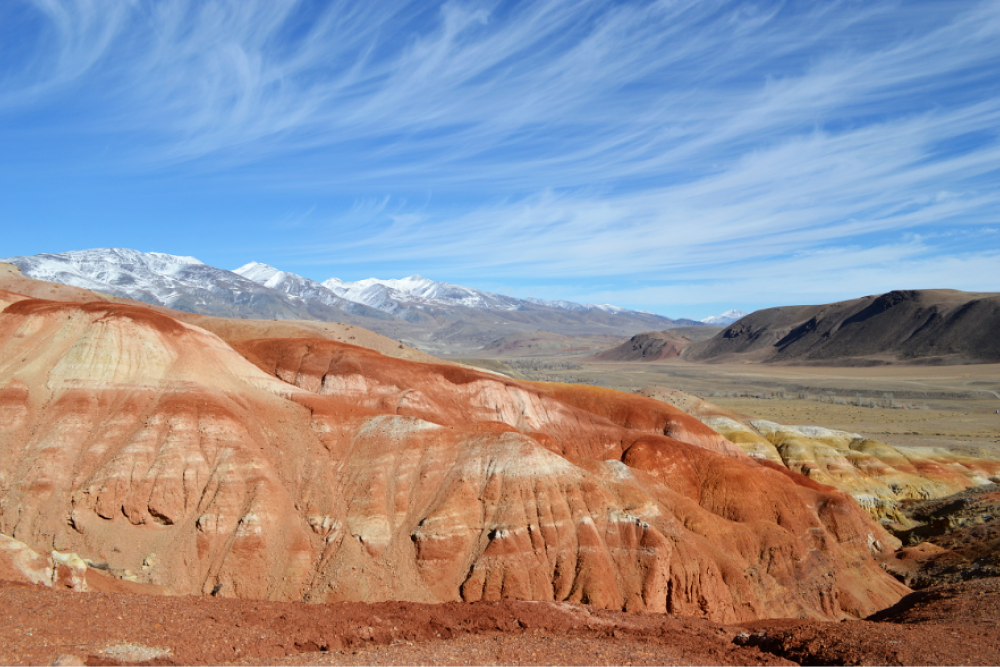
x=21, y=563
x=328, y=472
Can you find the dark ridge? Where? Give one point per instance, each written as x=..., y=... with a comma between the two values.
x=932, y=327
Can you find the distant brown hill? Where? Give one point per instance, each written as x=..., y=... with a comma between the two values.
x=656, y=345
x=904, y=326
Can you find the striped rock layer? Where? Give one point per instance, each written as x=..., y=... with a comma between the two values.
x=878, y=476
x=305, y=469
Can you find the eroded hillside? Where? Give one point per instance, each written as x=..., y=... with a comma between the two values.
x=155, y=451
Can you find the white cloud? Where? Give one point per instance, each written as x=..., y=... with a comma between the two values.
x=814, y=279
x=805, y=193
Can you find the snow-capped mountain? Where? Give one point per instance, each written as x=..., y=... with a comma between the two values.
x=416, y=309
x=303, y=288
x=181, y=283
x=395, y=295
x=725, y=319
x=565, y=305
x=569, y=305
x=290, y=283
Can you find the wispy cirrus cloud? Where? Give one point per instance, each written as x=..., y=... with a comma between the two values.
x=808, y=192
x=579, y=140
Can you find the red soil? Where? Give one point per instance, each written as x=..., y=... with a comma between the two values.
x=946, y=625
x=41, y=625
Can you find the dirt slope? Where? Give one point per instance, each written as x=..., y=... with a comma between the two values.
x=944, y=626
x=43, y=625
x=235, y=331
x=955, y=539
x=957, y=624
x=907, y=326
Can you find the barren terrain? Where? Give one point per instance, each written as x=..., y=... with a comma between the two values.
x=927, y=406
x=239, y=469
x=954, y=624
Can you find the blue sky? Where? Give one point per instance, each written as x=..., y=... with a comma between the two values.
x=682, y=157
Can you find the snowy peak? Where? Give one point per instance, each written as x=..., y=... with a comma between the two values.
x=563, y=305
x=123, y=256
x=368, y=292
x=301, y=287
x=84, y=262
x=725, y=319
x=259, y=290
x=415, y=284
x=271, y=277
x=417, y=291
x=117, y=271
x=182, y=283
x=260, y=273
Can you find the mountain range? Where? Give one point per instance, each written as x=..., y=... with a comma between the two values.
x=180, y=283
x=406, y=297
x=937, y=326
x=436, y=316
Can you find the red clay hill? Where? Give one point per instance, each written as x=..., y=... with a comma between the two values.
x=327, y=472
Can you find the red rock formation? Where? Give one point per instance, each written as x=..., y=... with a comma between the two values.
x=153, y=449
x=21, y=563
